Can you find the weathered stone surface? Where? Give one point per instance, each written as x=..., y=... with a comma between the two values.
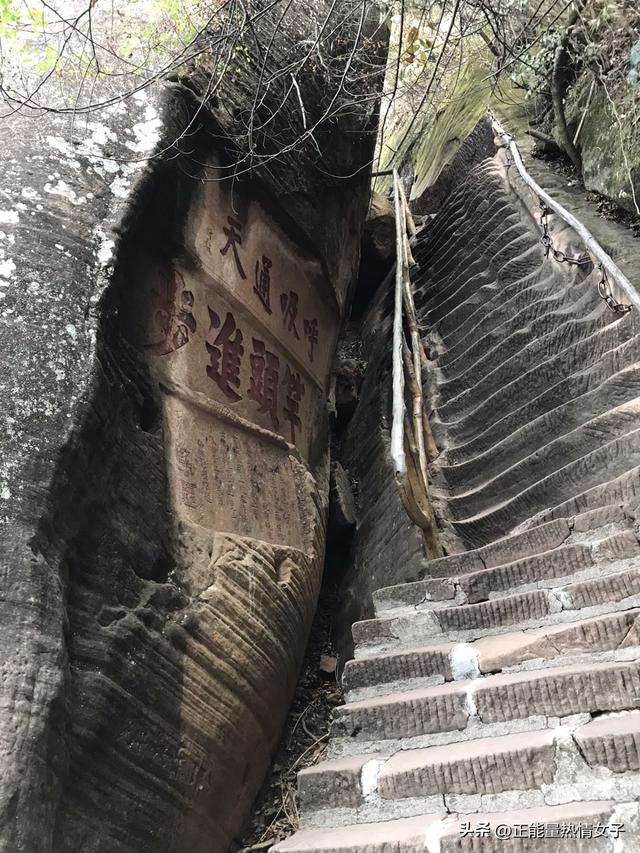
x=378, y=245
x=480, y=766
x=558, y=691
x=441, y=708
x=163, y=506
x=412, y=594
x=612, y=741
x=588, y=813
x=600, y=633
x=405, y=665
x=614, y=587
x=61, y=201
x=332, y=783
x=386, y=541
x=405, y=836
x=510, y=610
x=348, y=379
x=533, y=391
x=557, y=563
x=342, y=508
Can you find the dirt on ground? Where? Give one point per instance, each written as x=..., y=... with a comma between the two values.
x=305, y=739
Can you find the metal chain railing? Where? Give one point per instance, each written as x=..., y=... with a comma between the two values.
x=550, y=249
x=604, y=289
x=595, y=254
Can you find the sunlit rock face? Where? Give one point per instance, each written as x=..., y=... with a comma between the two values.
x=167, y=341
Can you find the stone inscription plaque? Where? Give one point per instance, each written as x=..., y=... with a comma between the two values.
x=203, y=340
x=224, y=479
x=248, y=254
x=244, y=325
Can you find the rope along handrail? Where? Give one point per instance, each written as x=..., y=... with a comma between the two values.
x=407, y=362
x=607, y=266
x=397, y=426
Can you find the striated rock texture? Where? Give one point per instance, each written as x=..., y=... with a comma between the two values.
x=387, y=546
x=494, y=698
x=162, y=540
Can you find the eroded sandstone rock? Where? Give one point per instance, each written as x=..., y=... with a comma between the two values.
x=165, y=473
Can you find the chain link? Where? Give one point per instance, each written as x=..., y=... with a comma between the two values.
x=604, y=289
x=604, y=286
x=547, y=242
x=504, y=146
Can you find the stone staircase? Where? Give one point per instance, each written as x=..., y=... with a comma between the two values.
x=502, y=689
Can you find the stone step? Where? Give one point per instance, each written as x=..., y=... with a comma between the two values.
x=546, y=829
x=532, y=607
x=526, y=387
x=616, y=458
x=450, y=661
x=480, y=832
x=489, y=765
x=481, y=295
x=488, y=335
x=487, y=249
x=482, y=766
x=444, y=230
x=476, y=581
x=399, y=836
x=528, y=543
x=559, y=395
x=535, y=436
x=588, y=437
x=443, y=237
x=616, y=492
x=552, y=691
x=338, y=783
x=611, y=741
x=467, y=570
x=515, y=355
x=562, y=562
x=540, y=283
x=463, y=279
x=441, y=272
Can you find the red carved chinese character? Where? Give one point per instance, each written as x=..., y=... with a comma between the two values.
x=294, y=394
x=226, y=353
x=311, y=334
x=172, y=324
x=263, y=386
x=289, y=308
x=234, y=239
x=263, y=283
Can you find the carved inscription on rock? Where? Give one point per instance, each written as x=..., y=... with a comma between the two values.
x=224, y=479
x=283, y=288
x=240, y=330
x=205, y=342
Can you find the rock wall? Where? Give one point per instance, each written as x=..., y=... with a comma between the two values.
x=387, y=547
x=608, y=141
x=165, y=474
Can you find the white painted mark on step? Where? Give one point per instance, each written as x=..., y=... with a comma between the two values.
x=470, y=703
x=622, y=827
x=434, y=833
x=464, y=661
x=369, y=779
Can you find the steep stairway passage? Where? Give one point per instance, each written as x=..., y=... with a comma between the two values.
x=502, y=689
